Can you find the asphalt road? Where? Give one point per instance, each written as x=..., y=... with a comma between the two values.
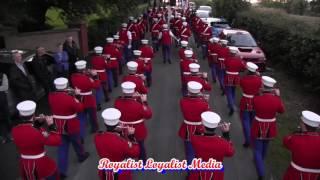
x=162, y=142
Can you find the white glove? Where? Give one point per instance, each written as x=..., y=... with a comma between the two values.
x=129, y=46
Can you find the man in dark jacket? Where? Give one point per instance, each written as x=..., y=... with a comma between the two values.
x=72, y=49
x=20, y=81
x=39, y=68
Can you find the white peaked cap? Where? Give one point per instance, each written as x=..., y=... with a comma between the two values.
x=137, y=52
x=124, y=25
x=165, y=26
x=132, y=66
x=26, y=108
x=172, y=16
x=128, y=87
x=184, y=43
x=188, y=53
x=233, y=50
x=194, y=87
x=252, y=66
x=98, y=49
x=183, y=18
x=111, y=116
x=268, y=81
x=194, y=67
x=310, y=118
x=159, y=14
x=211, y=40
x=81, y=64
x=223, y=41
x=184, y=23
x=144, y=41
x=109, y=40
x=61, y=83
x=116, y=36
x=131, y=18
x=210, y=119
x=215, y=39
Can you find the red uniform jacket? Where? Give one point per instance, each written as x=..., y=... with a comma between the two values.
x=115, y=55
x=185, y=33
x=194, y=77
x=123, y=36
x=233, y=67
x=134, y=31
x=147, y=52
x=140, y=87
x=155, y=30
x=207, y=147
x=98, y=63
x=119, y=45
x=223, y=52
x=86, y=85
x=30, y=141
x=191, y=108
x=250, y=85
x=184, y=65
x=266, y=106
x=213, y=48
x=305, y=148
x=206, y=34
x=141, y=66
x=112, y=146
x=133, y=110
x=62, y=104
x=166, y=38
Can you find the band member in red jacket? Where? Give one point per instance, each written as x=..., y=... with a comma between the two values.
x=223, y=53
x=113, y=57
x=304, y=147
x=206, y=34
x=30, y=139
x=192, y=106
x=264, y=127
x=137, y=58
x=147, y=55
x=155, y=30
x=64, y=108
x=165, y=37
x=87, y=82
x=99, y=64
x=133, y=28
x=209, y=145
x=115, y=145
x=138, y=79
x=184, y=63
x=185, y=32
x=134, y=111
x=213, y=48
x=126, y=38
x=196, y=76
x=234, y=65
x=120, y=46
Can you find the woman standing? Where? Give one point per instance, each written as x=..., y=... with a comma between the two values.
x=62, y=62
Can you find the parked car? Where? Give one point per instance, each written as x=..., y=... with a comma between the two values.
x=219, y=26
x=6, y=62
x=247, y=46
x=205, y=8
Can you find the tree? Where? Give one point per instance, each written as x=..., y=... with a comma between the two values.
x=296, y=6
x=229, y=8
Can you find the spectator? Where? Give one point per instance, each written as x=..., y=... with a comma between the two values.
x=4, y=109
x=20, y=81
x=61, y=58
x=39, y=68
x=72, y=49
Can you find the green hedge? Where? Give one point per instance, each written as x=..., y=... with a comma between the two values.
x=289, y=43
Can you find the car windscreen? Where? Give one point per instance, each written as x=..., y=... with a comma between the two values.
x=241, y=40
x=221, y=25
x=203, y=14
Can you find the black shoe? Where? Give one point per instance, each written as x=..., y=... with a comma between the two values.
x=222, y=93
x=81, y=140
x=260, y=178
x=169, y=62
x=116, y=85
x=99, y=107
x=246, y=145
x=84, y=157
x=164, y=62
x=214, y=81
x=110, y=90
x=63, y=176
x=231, y=112
x=106, y=99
